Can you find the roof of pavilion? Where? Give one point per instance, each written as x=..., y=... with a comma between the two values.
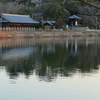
x=74, y=17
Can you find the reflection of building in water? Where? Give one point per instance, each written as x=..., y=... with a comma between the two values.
x=90, y=41
x=16, y=53
x=76, y=45
x=48, y=60
x=46, y=45
x=67, y=44
x=20, y=48
x=73, y=46
x=43, y=49
x=48, y=49
x=0, y=52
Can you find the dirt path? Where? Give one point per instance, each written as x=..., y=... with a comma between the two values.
x=45, y=34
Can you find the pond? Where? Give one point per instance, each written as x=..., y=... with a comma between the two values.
x=50, y=69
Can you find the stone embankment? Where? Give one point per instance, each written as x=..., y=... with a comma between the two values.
x=46, y=34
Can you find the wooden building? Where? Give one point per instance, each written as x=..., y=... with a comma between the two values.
x=13, y=20
x=49, y=23
x=74, y=20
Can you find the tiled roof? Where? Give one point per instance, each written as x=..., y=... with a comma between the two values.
x=74, y=16
x=49, y=22
x=3, y=21
x=18, y=18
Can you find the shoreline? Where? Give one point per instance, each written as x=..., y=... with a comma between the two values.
x=46, y=34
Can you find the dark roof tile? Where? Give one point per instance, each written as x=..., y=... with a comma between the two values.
x=18, y=18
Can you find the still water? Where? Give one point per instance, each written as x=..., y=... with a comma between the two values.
x=50, y=69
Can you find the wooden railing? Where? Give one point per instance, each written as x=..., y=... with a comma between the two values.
x=17, y=29
x=30, y=29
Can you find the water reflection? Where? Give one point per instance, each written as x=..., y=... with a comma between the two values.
x=49, y=58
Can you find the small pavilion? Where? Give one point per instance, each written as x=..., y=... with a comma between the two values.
x=74, y=20
x=49, y=23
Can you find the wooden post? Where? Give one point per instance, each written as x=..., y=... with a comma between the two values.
x=12, y=29
x=3, y=29
x=27, y=28
x=0, y=28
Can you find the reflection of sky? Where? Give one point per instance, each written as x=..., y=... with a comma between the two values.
x=71, y=88
x=17, y=53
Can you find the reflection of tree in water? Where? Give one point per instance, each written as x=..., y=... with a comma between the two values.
x=60, y=62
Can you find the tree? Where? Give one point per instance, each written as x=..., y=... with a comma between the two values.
x=89, y=15
x=24, y=11
x=72, y=6
x=9, y=7
x=56, y=12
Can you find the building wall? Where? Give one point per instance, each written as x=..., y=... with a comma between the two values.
x=72, y=21
x=17, y=25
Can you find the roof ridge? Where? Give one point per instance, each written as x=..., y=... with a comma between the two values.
x=15, y=15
